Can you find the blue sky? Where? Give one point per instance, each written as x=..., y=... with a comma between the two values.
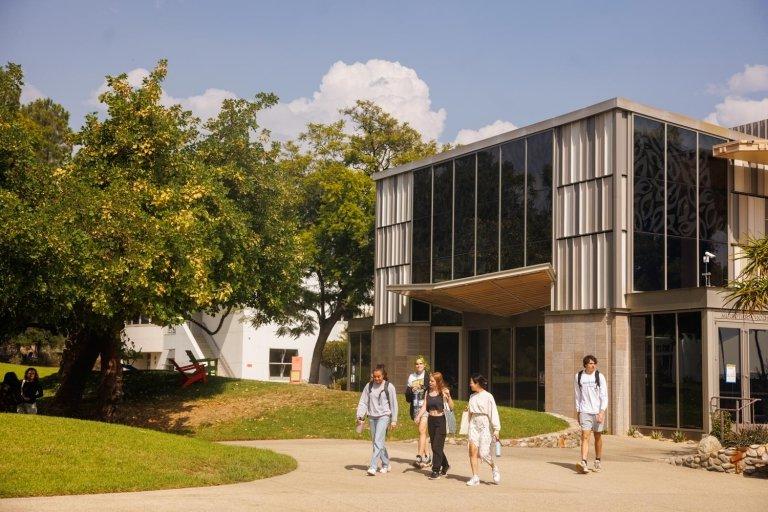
x=462, y=65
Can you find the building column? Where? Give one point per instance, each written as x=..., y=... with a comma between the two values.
x=619, y=383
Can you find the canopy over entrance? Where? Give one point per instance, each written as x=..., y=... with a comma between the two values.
x=753, y=151
x=504, y=293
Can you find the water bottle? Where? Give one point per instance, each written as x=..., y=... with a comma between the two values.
x=498, y=448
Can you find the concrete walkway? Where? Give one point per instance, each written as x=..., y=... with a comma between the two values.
x=331, y=476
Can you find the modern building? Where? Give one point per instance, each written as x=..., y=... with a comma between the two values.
x=243, y=351
x=586, y=233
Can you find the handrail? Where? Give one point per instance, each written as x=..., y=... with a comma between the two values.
x=748, y=404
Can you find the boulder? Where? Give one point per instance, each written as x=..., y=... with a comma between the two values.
x=709, y=444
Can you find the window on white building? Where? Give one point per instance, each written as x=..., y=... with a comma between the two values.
x=280, y=362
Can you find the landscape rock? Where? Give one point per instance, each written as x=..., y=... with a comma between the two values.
x=709, y=444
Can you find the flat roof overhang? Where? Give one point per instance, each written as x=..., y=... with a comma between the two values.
x=752, y=151
x=505, y=293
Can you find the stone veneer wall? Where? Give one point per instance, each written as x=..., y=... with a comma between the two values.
x=752, y=460
x=396, y=346
x=568, y=338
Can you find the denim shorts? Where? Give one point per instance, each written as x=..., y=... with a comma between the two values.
x=589, y=422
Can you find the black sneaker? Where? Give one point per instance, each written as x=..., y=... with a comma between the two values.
x=444, y=470
x=434, y=475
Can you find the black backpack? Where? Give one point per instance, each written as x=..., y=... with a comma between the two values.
x=386, y=391
x=597, y=378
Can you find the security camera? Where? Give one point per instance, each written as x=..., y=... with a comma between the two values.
x=709, y=254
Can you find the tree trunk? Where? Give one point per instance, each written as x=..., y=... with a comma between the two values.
x=80, y=353
x=326, y=326
x=111, y=385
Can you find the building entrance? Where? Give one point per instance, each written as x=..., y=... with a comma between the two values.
x=446, y=356
x=743, y=368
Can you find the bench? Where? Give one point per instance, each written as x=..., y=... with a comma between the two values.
x=190, y=373
x=211, y=364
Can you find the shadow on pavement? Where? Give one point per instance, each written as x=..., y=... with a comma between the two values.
x=567, y=465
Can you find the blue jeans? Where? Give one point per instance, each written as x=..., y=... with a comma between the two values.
x=378, y=435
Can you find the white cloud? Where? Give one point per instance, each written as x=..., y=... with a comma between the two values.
x=737, y=107
x=30, y=93
x=394, y=87
x=467, y=136
x=204, y=106
x=735, y=111
x=752, y=79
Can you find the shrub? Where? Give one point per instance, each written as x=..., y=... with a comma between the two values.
x=678, y=437
x=631, y=431
x=657, y=434
x=721, y=425
x=755, y=435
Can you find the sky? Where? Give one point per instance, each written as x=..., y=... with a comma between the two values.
x=456, y=71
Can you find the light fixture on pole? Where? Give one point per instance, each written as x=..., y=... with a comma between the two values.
x=707, y=274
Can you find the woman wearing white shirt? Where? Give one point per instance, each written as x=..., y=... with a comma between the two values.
x=484, y=427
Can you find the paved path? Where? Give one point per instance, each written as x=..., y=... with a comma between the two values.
x=331, y=477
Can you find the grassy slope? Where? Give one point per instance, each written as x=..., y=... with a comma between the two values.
x=88, y=457
x=230, y=409
x=43, y=371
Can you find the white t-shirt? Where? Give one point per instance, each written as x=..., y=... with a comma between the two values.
x=417, y=384
x=590, y=398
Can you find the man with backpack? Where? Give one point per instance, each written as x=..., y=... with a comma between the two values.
x=591, y=393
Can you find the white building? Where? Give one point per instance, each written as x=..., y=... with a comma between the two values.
x=243, y=350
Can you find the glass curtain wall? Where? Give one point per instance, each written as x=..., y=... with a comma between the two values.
x=359, y=359
x=680, y=206
x=516, y=364
x=666, y=370
x=478, y=208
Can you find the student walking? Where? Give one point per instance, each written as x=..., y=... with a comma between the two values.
x=379, y=402
x=591, y=393
x=415, y=390
x=30, y=390
x=484, y=428
x=435, y=403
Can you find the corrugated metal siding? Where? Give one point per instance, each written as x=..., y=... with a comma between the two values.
x=584, y=209
x=389, y=307
x=393, y=246
x=756, y=129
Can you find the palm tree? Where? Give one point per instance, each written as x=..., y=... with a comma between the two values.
x=749, y=291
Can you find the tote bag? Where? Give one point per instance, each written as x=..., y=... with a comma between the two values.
x=464, y=428
x=450, y=419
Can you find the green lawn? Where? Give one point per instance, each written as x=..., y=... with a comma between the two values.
x=83, y=457
x=19, y=369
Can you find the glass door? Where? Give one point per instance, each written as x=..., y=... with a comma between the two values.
x=757, y=372
x=445, y=350
x=729, y=348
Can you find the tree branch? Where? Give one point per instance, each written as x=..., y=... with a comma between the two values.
x=205, y=327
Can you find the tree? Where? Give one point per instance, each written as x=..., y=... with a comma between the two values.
x=334, y=168
x=335, y=358
x=749, y=291
x=148, y=218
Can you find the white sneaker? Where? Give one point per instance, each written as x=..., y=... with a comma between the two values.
x=597, y=467
x=496, y=475
x=475, y=480
x=371, y=471
x=384, y=469
x=582, y=467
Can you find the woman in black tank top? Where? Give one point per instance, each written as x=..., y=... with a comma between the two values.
x=434, y=405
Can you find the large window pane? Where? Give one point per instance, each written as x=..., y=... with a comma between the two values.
x=649, y=176
x=665, y=384
x=501, y=366
x=512, y=204
x=422, y=221
x=478, y=352
x=649, y=262
x=642, y=370
x=681, y=262
x=464, y=217
x=447, y=357
x=488, y=211
x=442, y=220
x=730, y=358
x=365, y=353
x=758, y=373
x=539, y=200
x=356, y=376
x=525, y=367
x=541, y=375
x=689, y=343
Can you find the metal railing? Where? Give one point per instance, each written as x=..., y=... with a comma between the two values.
x=742, y=413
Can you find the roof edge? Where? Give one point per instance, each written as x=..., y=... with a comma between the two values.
x=575, y=115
